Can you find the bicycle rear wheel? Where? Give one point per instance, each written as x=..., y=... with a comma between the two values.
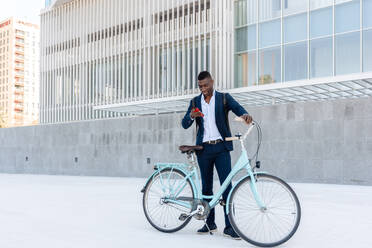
x=270, y=227
x=162, y=215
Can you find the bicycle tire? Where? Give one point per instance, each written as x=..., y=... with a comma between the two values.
x=243, y=234
x=144, y=203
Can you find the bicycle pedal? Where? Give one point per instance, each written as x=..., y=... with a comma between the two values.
x=183, y=217
x=222, y=203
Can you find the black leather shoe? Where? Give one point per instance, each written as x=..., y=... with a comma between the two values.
x=204, y=229
x=229, y=232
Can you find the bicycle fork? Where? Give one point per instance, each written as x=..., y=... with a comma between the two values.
x=256, y=195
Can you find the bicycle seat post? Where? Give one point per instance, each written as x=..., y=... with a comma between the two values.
x=191, y=158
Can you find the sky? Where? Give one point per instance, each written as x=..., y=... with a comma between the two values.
x=26, y=9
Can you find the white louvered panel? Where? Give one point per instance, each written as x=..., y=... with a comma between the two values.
x=80, y=57
x=199, y=19
x=162, y=48
x=130, y=57
x=188, y=67
x=135, y=50
x=153, y=48
x=167, y=88
x=74, y=102
x=193, y=47
x=141, y=52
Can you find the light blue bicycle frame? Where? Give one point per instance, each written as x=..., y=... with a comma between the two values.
x=193, y=176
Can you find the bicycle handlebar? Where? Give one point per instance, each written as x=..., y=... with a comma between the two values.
x=245, y=135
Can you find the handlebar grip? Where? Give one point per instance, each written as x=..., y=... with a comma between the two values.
x=231, y=138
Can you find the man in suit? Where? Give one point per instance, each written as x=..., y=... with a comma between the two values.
x=213, y=127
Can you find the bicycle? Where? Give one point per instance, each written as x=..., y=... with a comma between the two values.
x=263, y=209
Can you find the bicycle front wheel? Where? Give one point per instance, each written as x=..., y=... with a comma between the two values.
x=264, y=227
x=161, y=214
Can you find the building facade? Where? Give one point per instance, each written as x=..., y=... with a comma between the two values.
x=109, y=58
x=288, y=40
x=98, y=52
x=19, y=73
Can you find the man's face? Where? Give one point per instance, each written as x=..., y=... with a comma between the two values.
x=206, y=86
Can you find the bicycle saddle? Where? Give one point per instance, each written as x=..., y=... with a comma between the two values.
x=189, y=149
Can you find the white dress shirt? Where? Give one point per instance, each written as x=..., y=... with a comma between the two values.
x=210, y=128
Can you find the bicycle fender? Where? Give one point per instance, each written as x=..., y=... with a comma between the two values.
x=158, y=169
x=241, y=179
x=148, y=180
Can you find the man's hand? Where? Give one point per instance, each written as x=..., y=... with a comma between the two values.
x=247, y=118
x=195, y=114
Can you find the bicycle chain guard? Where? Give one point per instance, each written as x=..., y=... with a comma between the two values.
x=206, y=209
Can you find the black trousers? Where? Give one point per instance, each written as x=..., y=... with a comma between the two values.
x=214, y=155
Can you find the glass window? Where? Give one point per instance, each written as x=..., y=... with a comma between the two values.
x=245, y=69
x=269, y=9
x=295, y=28
x=294, y=6
x=251, y=37
x=245, y=38
x=295, y=61
x=245, y=12
x=347, y=53
x=316, y=4
x=367, y=50
x=367, y=10
x=241, y=42
x=320, y=22
x=343, y=1
x=347, y=16
x=252, y=11
x=321, y=59
x=270, y=33
x=269, y=65
x=240, y=12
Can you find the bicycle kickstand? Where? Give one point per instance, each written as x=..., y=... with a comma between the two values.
x=210, y=232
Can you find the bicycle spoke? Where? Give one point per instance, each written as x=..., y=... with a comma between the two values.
x=164, y=215
x=276, y=228
x=272, y=225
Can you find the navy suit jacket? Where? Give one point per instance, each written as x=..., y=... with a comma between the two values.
x=220, y=115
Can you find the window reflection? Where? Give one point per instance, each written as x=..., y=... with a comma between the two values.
x=321, y=63
x=367, y=50
x=270, y=33
x=245, y=69
x=295, y=61
x=347, y=16
x=347, y=53
x=245, y=12
x=320, y=22
x=269, y=9
x=367, y=13
x=316, y=4
x=295, y=28
x=241, y=41
x=269, y=65
x=245, y=38
x=294, y=6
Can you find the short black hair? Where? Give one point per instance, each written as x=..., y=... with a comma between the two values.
x=203, y=75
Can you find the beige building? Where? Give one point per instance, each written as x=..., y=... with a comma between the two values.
x=19, y=73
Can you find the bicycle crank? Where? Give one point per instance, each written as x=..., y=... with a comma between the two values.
x=184, y=217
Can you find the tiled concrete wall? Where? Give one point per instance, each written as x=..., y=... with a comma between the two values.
x=327, y=142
